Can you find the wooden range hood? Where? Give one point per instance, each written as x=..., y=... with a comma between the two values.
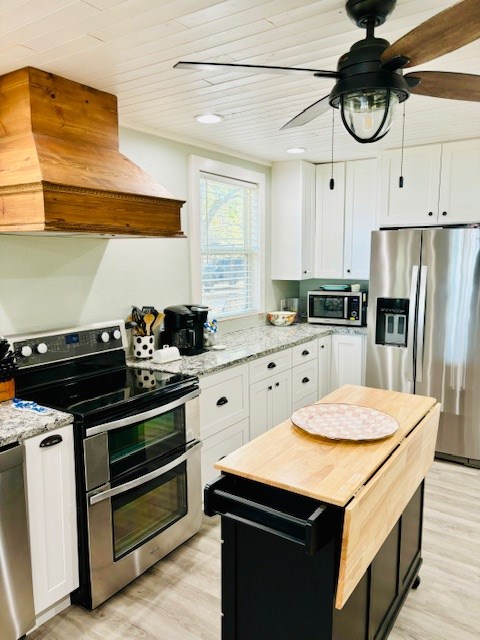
x=60, y=168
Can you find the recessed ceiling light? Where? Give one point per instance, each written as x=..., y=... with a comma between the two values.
x=296, y=150
x=208, y=118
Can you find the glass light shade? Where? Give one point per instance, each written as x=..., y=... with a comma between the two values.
x=363, y=113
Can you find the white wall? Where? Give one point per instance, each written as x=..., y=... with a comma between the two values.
x=50, y=282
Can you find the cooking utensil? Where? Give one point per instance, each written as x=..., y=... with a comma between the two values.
x=148, y=320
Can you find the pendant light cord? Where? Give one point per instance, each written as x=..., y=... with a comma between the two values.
x=400, y=180
x=332, y=181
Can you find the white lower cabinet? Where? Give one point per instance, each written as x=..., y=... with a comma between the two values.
x=224, y=407
x=348, y=360
x=232, y=411
x=223, y=399
x=270, y=402
x=220, y=445
x=324, y=366
x=304, y=382
x=52, y=514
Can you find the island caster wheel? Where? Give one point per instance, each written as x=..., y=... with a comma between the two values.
x=416, y=583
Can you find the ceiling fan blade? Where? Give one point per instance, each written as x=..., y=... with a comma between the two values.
x=445, y=32
x=439, y=84
x=310, y=113
x=253, y=68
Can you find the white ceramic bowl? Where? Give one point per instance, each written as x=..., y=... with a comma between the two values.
x=281, y=318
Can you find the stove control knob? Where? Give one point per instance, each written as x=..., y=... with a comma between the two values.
x=104, y=336
x=117, y=334
x=42, y=347
x=26, y=351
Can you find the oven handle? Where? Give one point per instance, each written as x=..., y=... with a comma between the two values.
x=138, y=417
x=109, y=493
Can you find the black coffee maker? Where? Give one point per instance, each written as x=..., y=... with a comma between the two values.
x=183, y=328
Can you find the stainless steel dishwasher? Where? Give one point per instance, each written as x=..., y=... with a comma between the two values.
x=17, y=614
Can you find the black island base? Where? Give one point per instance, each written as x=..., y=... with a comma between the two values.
x=280, y=565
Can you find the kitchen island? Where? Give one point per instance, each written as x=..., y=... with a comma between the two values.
x=322, y=538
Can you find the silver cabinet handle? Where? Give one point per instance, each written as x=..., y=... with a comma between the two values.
x=109, y=493
x=422, y=298
x=411, y=322
x=138, y=417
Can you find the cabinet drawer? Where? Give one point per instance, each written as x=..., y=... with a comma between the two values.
x=223, y=400
x=311, y=399
x=270, y=365
x=304, y=352
x=220, y=445
x=304, y=380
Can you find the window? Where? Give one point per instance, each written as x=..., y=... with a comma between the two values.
x=227, y=238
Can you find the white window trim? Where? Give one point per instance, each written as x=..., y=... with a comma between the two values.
x=198, y=164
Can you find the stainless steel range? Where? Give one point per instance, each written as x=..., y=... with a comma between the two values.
x=137, y=450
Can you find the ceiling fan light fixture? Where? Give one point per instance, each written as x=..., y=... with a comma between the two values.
x=208, y=118
x=368, y=114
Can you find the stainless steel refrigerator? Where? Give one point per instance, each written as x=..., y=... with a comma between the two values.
x=424, y=327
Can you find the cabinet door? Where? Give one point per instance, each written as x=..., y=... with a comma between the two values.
x=347, y=360
x=324, y=365
x=360, y=216
x=260, y=407
x=50, y=477
x=282, y=398
x=293, y=220
x=270, y=402
x=329, y=227
x=416, y=203
x=460, y=182
x=220, y=445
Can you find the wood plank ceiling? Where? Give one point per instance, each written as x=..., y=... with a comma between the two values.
x=128, y=48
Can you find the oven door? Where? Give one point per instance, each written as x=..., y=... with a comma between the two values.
x=116, y=448
x=136, y=521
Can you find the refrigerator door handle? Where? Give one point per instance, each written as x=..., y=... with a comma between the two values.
x=422, y=297
x=411, y=323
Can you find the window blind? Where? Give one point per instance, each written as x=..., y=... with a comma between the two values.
x=229, y=245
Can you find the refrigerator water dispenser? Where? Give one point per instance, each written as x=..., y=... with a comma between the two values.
x=392, y=322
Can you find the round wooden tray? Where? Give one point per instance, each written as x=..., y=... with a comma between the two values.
x=339, y=421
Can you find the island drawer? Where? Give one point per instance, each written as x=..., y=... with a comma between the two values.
x=297, y=519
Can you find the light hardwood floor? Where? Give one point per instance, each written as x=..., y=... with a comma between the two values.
x=179, y=598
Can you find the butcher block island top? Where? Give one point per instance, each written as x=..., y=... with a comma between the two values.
x=331, y=471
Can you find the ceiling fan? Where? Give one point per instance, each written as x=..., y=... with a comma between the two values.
x=369, y=79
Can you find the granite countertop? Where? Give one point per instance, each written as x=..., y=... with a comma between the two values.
x=245, y=345
x=240, y=347
x=18, y=425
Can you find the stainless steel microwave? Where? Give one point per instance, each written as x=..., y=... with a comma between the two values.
x=337, y=307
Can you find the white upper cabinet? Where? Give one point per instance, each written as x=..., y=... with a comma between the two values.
x=360, y=216
x=330, y=217
x=441, y=185
x=460, y=182
x=293, y=220
x=345, y=218
x=416, y=203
